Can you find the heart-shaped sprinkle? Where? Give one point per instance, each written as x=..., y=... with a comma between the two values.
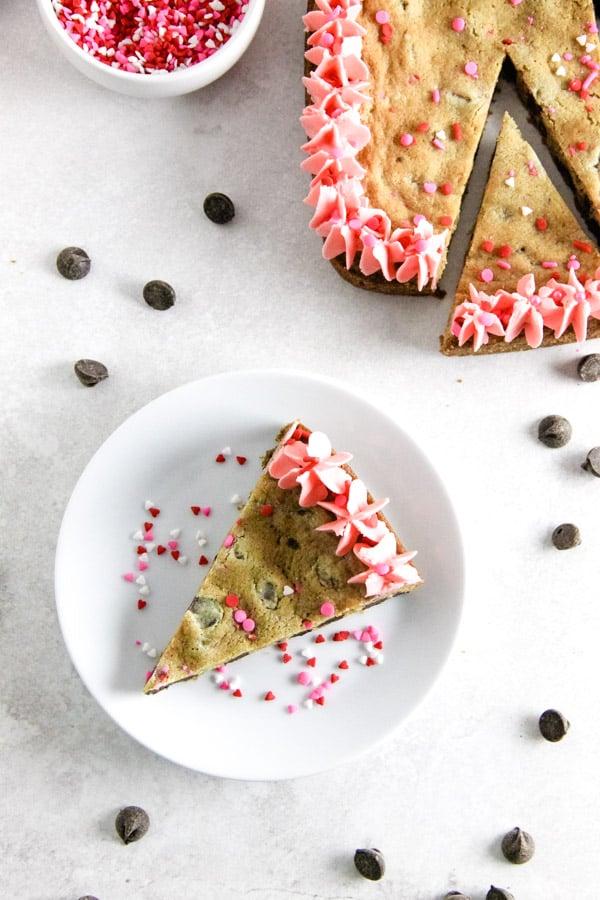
x=141, y=604
x=320, y=639
x=292, y=708
x=269, y=695
x=320, y=701
x=128, y=576
x=312, y=661
x=226, y=451
x=378, y=645
x=142, y=565
x=341, y=636
x=154, y=511
x=141, y=549
x=140, y=580
x=152, y=653
x=235, y=499
x=148, y=526
x=148, y=535
x=224, y=686
x=148, y=504
x=175, y=554
x=161, y=549
x=137, y=535
x=333, y=678
x=237, y=693
x=241, y=460
x=182, y=559
x=203, y=561
x=175, y=532
x=150, y=547
x=220, y=458
x=195, y=510
x=172, y=545
x=283, y=645
x=286, y=658
x=205, y=510
x=370, y=661
x=308, y=703
x=344, y=664
x=287, y=590
x=357, y=634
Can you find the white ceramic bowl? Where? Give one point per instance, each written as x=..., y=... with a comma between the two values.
x=163, y=84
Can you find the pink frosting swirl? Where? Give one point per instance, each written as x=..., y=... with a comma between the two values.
x=354, y=516
x=343, y=216
x=386, y=568
x=311, y=465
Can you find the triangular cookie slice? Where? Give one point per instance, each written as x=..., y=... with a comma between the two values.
x=310, y=546
x=531, y=276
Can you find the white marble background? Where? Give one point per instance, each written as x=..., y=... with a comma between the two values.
x=125, y=179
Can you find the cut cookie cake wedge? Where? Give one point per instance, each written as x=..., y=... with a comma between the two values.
x=398, y=95
x=531, y=277
x=311, y=545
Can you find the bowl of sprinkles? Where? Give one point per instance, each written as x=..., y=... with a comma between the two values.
x=152, y=48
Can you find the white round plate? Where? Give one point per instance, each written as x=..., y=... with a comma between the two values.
x=166, y=454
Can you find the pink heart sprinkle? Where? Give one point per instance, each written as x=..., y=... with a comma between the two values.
x=292, y=708
x=173, y=545
x=142, y=566
x=129, y=576
x=205, y=510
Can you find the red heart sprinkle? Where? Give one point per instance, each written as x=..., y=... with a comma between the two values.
x=237, y=693
x=312, y=661
x=344, y=664
x=341, y=636
x=320, y=701
x=154, y=512
x=333, y=678
x=195, y=510
x=203, y=561
x=378, y=645
x=160, y=549
x=269, y=695
x=266, y=510
x=320, y=639
x=141, y=549
x=286, y=658
x=370, y=661
x=283, y=645
x=220, y=458
x=148, y=526
x=141, y=603
x=241, y=460
x=175, y=554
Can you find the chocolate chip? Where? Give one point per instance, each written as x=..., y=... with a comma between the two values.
x=219, y=208
x=206, y=610
x=588, y=367
x=370, y=863
x=292, y=543
x=496, y=893
x=554, y=431
x=518, y=846
x=90, y=371
x=73, y=263
x=566, y=536
x=132, y=823
x=553, y=725
x=159, y=294
x=592, y=462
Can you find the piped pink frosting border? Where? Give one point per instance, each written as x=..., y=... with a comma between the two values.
x=305, y=460
x=343, y=216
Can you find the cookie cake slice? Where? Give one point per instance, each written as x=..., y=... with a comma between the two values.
x=531, y=276
x=310, y=545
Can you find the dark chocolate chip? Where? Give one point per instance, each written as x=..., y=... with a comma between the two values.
x=370, y=863
x=73, y=263
x=132, y=823
x=159, y=294
x=554, y=431
x=588, y=367
x=592, y=462
x=219, y=208
x=90, y=371
x=496, y=893
x=553, y=725
x=292, y=543
x=518, y=846
x=206, y=610
x=566, y=536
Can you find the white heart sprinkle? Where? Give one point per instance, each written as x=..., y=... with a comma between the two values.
x=307, y=652
x=202, y=542
x=236, y=498
x=510, y=182
x=363, y=660
x=150, y=547
x=582, y=39
x=140, y=580
x=526, y=210
x=561, y=71
x=308, y=704
x=182, y=560
x=175, y=532
x=555, y=57
x=144, y=591
x=152, y=653
x=287, y=590
x=148, y=504
x=235, y=683
x=137, y=536
x=145, y=647
x=226, y=451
